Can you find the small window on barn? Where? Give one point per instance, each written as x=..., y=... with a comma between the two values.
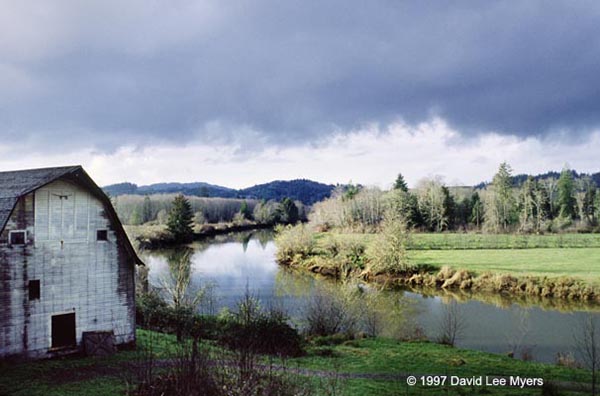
x=17, y=237
x=102, y=235
x=34, y=290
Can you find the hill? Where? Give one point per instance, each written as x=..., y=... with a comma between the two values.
x=305, y=191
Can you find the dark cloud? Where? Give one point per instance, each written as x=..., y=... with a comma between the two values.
x=293, y=71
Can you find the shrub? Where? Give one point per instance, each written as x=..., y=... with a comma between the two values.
x=330, y=312
x=253, y=330
x=387, y=253
x=294, y=242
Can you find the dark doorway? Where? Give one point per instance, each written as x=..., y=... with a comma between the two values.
x=63, y=331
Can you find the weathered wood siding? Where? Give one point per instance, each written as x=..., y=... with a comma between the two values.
x=77, y=273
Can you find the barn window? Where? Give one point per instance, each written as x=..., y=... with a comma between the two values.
x=102, y=235
x=34, y=289
x=17, y=237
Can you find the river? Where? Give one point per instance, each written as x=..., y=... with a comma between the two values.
x=244, y=262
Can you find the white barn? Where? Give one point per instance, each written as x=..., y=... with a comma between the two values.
x=66, y=264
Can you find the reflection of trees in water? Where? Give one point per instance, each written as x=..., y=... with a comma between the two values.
x=367, y=308
x=177, y=287
x=506, y=301
x=516, y=337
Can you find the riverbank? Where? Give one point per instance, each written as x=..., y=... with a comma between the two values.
x=371, y=366
x=558, y=266
x=157, y=236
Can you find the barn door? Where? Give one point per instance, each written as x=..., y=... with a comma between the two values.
x=63, y=330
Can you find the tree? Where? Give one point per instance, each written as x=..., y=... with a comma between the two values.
x=587, y=343
x=566, y=195
x=433, y=201
x=533, y=206
x=181, y=219
x=289, y=211
x=405, y=205
x=184, y=297
x=245, y=211
x=400, y=184
x=136, y=216
x=588, y=209
x=476, y=209
x=147, y=210
x=500, y=207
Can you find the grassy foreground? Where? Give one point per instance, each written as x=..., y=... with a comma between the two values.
x=376, y=357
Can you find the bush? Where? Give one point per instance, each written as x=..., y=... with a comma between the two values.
x=330, y=312
x=387, y=253
x=294, y=242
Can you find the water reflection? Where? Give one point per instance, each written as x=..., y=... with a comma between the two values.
x=495, y=323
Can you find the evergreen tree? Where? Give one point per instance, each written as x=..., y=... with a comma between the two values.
x=181, y=219
x=289, y=211
x=566, y=195
x=245, y=211
x=405, y=206
x=400, y=184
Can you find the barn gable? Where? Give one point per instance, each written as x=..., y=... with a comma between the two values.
x=17, y=184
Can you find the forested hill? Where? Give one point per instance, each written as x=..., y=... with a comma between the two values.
x=520, y=179
x=306, y=191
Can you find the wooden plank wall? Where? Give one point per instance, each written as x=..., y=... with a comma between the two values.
x=77, y=273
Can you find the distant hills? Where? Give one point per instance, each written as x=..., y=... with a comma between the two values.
x=306, y=191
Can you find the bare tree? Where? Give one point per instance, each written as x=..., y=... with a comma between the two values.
x=587, y=344
x=452, y=324
x=178, y=289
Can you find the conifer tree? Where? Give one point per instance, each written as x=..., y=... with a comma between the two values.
x=181, y=219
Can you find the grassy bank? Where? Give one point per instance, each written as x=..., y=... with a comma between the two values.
x=372, y=366
x=563, y=266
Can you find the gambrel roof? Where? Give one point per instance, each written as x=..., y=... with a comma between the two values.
x=15, y=184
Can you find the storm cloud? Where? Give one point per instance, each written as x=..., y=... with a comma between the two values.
x=279, y=73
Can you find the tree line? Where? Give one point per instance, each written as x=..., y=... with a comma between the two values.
x=155, y=209
x=502, y=206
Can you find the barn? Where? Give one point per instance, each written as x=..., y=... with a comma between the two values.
x=66, y=265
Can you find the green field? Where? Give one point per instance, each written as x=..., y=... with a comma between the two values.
x=375, y=357
x=583, y=263
x=453, y=241
x=560, y=255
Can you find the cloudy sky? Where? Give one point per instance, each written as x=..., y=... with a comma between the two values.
x=244, y=92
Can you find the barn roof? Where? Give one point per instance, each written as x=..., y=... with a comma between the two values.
x=15, y=184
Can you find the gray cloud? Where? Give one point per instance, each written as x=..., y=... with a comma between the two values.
x=143, y=72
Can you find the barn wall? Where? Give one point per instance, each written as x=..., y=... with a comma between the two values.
x=77, y=273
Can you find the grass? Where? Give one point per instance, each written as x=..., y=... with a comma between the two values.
x=105, y=376
x=569, y=255
x=457, y=241
x=377, y=355
x=583, y=263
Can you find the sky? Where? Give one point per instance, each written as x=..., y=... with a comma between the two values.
x=245, y=92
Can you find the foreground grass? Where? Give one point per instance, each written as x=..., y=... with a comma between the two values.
x=385, y=356
x=107, y=376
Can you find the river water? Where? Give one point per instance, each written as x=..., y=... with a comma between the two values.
x=244, y=262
